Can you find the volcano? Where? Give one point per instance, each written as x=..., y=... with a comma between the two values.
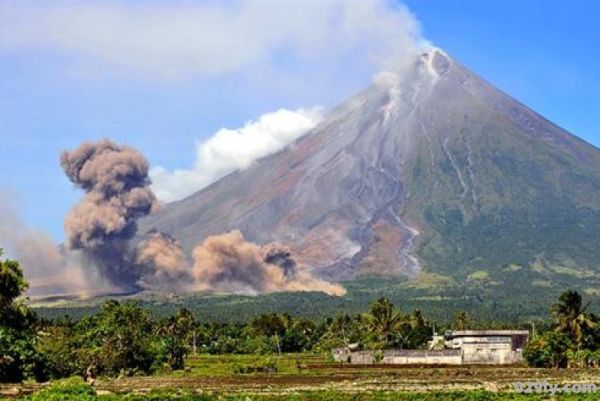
x=430, y=170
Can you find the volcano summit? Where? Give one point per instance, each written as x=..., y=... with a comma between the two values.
x=431, y=170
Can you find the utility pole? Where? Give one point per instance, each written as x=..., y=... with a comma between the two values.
x=278, y=347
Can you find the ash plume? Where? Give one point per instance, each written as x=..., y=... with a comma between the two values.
x=163, y=264
x=228, y=263
x=115, y=179
x=48, y=269
x=100, y=253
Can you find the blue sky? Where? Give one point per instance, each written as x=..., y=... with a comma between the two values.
x=58, y=92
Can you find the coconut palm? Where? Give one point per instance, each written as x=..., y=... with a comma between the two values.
x=571, y=317
x=461, y=321
x=383, y=320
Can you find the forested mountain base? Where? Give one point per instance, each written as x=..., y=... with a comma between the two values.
x=438, y=297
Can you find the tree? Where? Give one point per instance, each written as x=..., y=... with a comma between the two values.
x=414, y=331
x=548, y=350
x=18, y=357
x=270, y=324
x=572, y=341
x=59, y=343
x=341, y=331
x=571, y=318
x=119, y=338
x=593, y=339
x=461, y=321
x=174, y=334
x=12, y=284
x=299, y=336
x=382, y=320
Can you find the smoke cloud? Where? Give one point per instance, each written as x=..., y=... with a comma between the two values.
x=175, y=40
x=115, y=179
x=102, y=226
x=228, y=263
x=163, y=264
x=48, y=270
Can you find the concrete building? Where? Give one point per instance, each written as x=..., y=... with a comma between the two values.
x=497, y=347
x=494, y=347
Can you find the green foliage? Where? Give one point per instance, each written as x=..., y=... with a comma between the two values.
x=383, y=321
x=414, y=332
x=124, y=338
x=18, y=357
x=66, y=390
x=76, y=392
x=573, y=340
x=175, y=333
x=572, y=319
x=118, y=339
x=437, y=296
x=300, y=335
x=341, y=331
x=516, y=203
x=12, y=283
x=548, y=350
x=462, y=321
x=60, y=344
x=270, y=324
x=388, y=328
x=127, y=339
x=263, y=365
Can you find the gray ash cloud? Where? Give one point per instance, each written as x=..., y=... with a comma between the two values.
x=103, y=225
x=117, y=193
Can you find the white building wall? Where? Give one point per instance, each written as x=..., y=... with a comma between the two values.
x=470, y=347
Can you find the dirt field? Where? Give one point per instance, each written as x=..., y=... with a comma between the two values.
x=297, y=373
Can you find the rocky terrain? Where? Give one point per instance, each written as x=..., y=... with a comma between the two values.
x=430, y=169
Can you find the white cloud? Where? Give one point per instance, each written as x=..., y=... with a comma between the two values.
x=231, y=149
x=175, y=40
x=295, y=45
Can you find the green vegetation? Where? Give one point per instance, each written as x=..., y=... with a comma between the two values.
x=124, y=339
x=518, y=204
x=142, y=356
x=18, y=358
x=573, y=339
x=78, y=392
x=489, y=305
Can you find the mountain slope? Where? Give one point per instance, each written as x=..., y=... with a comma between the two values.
x=431, y=170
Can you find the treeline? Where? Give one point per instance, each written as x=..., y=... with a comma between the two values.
x=127, y=339
x=488, y=305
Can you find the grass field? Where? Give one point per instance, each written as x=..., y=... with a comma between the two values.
x=306, y=377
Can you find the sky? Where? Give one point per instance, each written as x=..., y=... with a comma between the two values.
x=196, y=86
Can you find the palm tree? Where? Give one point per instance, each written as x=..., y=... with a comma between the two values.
x=571, y=317
x=383, y=320
x=461, y=321
x=174, y=334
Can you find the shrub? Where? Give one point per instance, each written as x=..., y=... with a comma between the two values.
x=73, y=389
x=548, y=350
